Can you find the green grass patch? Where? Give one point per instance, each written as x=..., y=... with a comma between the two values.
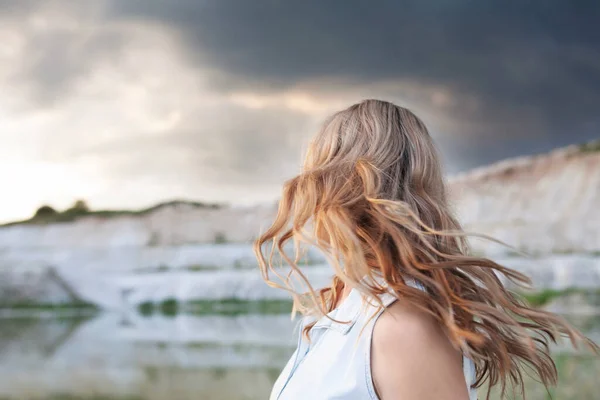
x=220, y=238
x=590, y=147
x=544, y=297
x=166, y=268
x=556, y=252
x=153, y=269
x=202, y=267
x=146, y=308
x=238, y=307
x=49, y=306
x=169, y=307
x=172, y=307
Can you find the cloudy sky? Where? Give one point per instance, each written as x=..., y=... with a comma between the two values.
x=125, y=103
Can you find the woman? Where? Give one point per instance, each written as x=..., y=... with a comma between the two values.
x=410, y=313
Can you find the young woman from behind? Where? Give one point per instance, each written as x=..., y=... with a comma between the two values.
x=410, y=313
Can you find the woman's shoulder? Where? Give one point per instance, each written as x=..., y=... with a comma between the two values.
x=411, y=355
x=402, y=320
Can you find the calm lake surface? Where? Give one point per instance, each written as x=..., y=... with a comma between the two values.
x=185, y=357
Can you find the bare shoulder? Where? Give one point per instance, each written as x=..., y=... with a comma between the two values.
x=413, y=359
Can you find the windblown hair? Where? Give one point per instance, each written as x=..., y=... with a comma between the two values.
x=371, y=197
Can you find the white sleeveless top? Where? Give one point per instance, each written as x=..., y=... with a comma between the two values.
x=337, y=362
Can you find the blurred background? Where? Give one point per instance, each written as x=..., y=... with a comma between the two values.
x=143, y=145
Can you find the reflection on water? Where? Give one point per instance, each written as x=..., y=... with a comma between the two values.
x=183, y=358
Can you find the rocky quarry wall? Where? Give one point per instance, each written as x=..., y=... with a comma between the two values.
x=545, y=205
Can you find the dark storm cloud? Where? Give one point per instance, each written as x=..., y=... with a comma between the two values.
x=480, y=46
x=533, y=66
x=533, y=69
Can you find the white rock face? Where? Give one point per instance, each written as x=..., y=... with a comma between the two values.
x=541, y=204
x=545, y=205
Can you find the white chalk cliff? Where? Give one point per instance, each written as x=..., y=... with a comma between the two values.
x=540, y=204
x=546, y=205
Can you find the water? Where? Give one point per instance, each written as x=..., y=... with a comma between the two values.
x=184, y=357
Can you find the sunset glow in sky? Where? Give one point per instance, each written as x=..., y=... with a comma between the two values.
x=126, y=103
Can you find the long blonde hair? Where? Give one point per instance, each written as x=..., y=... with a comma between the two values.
x=371, y=197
